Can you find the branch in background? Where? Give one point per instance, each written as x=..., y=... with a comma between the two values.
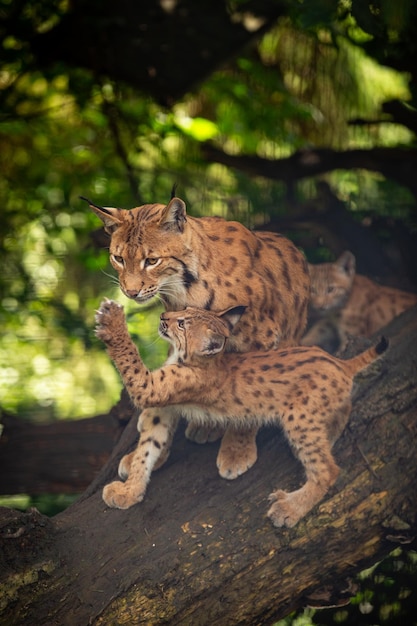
x=164, y=49
x=400, y=113
x=60, y=457
x=399, y=164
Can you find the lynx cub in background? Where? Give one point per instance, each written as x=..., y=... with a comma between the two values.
x=305, y=390
x=345, y=303
x=209, y=263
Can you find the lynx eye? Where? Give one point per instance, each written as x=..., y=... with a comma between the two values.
x=181, y=324
x=151, y=261
x=118, y=259
x=330, y=288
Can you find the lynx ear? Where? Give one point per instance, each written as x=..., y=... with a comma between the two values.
x=212, y=343
x=174, y=215
x=111, y=218
x=232, y=316
x=347, y=263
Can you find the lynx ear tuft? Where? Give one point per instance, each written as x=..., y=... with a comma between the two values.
x=174, y=215
x=174, y=190
x=111, y=218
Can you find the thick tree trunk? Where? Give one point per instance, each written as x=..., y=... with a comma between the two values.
x=199, y=549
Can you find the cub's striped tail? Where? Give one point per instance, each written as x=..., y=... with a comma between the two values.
x=364, y=359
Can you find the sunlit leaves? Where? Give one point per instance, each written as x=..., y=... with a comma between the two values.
x=198, y=128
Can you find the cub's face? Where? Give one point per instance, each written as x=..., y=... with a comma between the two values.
x=149, y=250
x=198, y=333
x=331, y=283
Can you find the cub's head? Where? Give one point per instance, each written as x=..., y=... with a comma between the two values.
x=331, y=283
x=150, y=250
x=197, y=332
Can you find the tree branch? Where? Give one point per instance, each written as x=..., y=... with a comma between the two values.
x=149, y=44
x=399, y=164
x=60, y=457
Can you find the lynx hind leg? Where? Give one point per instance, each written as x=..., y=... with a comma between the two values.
x=202, y=434
x=125, y=464
x=338, y=421
x=157, y=428
x=288, y=508
x=323, y=333
x=237, y=453
x=148, y=426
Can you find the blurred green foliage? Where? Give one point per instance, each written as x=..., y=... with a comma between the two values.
x=385, y=597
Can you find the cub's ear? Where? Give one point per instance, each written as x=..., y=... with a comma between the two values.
x=233, y=315
x=111, y=218
x=347, y=263
x=210, y=344
x=174, y=215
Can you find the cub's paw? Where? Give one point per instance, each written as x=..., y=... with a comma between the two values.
x=119, y=495
x=203, y=434
x=237, y=454
x=125, y=465
x=109, y=320
x=283, y=511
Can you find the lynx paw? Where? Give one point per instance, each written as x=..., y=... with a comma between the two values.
x=237, y=454
x=203, y=434
x=284, y=510
x=109, y=319
x=119, y=495
x=125, y=465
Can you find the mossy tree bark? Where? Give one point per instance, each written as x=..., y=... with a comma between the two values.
x=200, y=550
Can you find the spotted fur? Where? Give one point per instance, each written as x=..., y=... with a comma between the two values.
x=344, y=303
x=303, y=389
x=209, y=263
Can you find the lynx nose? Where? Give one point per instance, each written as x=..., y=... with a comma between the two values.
x=132, y=293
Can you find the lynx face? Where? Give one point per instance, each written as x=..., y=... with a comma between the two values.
x=331, y=284
x=196, y=332
x=149, y=252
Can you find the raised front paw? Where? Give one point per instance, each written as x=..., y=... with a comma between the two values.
x=237, y=453
x=110, y=320
x=118, y=495
x=284, y=510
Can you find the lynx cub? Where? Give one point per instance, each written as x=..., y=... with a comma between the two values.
x=305, y=390
x=345, y=303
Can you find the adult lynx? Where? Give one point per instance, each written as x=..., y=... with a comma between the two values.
x=211, y=263
x=304, y=390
